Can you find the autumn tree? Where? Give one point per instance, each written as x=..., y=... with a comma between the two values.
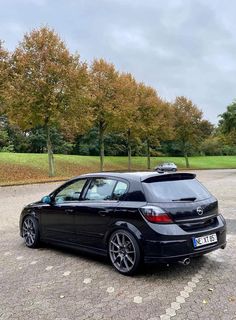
x=104, y=90
x=206, y=128
x=4, y=69
x=187, y=125
x=154, y=118
x=127, y=116
x=45, y=77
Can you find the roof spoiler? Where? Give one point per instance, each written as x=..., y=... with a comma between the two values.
x=169, y=177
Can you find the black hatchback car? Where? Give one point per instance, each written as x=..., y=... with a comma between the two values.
x=130, y=217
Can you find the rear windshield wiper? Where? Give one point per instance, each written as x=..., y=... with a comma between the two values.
x=185, y=199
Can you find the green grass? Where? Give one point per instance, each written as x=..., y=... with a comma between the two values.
x=16, y=168
x=203, y=162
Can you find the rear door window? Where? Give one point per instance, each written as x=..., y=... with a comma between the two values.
x=71, y=192
x=100, y=189
x=175, y=190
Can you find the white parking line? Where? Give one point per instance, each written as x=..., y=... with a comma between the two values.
x=49, y=268
x=138, y=299
x=87, y=280
x=8, y=253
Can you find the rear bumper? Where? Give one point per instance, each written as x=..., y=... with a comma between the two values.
x=170, y=259
x=169, y=250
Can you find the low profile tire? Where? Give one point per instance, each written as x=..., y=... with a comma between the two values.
x=30, y=232
x=124, y=252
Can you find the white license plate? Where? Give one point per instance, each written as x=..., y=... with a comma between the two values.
x=202, y=241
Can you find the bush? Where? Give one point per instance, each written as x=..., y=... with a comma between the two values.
x=228, y=150
x=211, y=146
x=9, y=148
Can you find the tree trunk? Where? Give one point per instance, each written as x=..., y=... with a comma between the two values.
x=148, y=156
x=101, y=145
x=186, y=160
x=129, y=149
x=51, y=164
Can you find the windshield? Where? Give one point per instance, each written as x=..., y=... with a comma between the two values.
x=176, y=190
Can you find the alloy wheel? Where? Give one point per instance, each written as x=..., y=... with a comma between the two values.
x=29, y=232
x=122, y=252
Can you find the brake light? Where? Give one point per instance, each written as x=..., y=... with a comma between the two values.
x=155, y=215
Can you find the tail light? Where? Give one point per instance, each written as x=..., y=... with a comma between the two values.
x=155, y=215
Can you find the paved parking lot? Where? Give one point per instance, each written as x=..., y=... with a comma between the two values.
x=52, y=283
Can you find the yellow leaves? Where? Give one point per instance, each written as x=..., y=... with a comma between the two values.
x=46, y=81
x=187, y=122
x=49, y=84
x=232, y=299
x=4, y=71
x=103, y=87
x=122, y=103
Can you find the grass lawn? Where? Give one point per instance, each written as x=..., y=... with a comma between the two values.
x=18, y=168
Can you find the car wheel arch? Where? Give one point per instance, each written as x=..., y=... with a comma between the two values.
x=35, y=233
x=29, y=214
x=124, y=225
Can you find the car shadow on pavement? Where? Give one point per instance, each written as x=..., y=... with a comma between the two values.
x=174, y=269
x=161, y=271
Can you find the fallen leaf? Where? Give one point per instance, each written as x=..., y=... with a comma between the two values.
x=231, y=299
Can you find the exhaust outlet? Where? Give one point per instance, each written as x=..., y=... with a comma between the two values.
x=185, y=261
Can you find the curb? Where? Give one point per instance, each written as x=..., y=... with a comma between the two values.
x=35, y=182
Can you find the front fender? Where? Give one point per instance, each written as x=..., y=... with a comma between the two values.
x=27, y=212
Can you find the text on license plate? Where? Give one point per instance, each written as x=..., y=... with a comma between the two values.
x=202, y=241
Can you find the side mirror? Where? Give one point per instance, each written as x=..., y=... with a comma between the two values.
x=46, y=199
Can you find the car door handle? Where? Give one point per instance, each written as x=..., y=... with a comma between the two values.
x=103, y=212
x=69, y=211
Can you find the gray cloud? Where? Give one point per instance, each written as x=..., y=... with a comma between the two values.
x=181, y=47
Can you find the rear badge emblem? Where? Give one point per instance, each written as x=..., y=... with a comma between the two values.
x=199, y=211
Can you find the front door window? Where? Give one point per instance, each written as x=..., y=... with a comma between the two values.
x=71, y=192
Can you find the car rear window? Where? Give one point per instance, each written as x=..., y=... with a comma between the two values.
x=175, y=190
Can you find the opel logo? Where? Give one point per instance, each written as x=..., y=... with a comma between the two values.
x=199, y=211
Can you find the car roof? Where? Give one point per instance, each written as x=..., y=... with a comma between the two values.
x=137, y=175
x=167, y=163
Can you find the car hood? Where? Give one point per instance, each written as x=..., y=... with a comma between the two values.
x=34, y=204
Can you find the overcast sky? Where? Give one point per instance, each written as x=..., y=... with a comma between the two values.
x=180, y=47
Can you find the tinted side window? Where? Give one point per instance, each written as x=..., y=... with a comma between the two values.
x=120, y=190
x=71, y=192
x=100, y=189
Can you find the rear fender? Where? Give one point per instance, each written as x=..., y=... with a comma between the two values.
x=125, y=226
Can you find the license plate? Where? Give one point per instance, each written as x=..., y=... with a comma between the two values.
x=202, y=241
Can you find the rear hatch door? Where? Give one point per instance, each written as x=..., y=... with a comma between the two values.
x=183, y=197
